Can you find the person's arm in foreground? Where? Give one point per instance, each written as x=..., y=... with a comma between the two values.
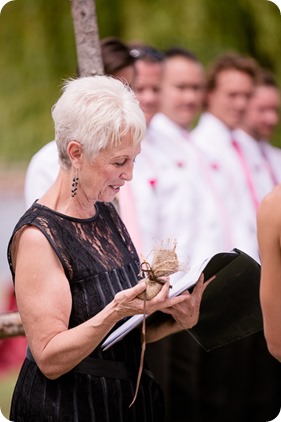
x=269, y=238
x=44, y=302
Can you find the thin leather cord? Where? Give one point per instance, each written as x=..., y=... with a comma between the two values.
x=143, y=347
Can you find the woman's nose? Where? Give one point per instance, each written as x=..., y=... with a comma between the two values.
x=128, y=173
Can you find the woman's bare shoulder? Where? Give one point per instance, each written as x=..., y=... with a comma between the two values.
x=273, y=197
x=30, y=234
x=271, y=204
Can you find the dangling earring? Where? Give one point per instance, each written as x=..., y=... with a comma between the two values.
x=74, y=185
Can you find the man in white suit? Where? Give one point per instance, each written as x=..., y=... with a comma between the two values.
x=137, y=198
x=187, y=200
x=254, y=135
x=169, y=195
x=230, y=84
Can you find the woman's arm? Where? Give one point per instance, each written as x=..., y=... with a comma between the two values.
x=44, y=302
x=269, y=239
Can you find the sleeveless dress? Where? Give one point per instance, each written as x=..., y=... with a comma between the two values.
x=99, y=260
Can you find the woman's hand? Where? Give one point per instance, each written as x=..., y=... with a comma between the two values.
x=183, y=308
x=126, y=302
x=186, y=312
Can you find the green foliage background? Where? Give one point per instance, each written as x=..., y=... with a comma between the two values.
x=37, y=50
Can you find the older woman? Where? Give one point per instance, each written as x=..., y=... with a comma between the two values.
x=76, y=271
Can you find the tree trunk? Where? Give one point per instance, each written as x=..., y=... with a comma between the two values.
x=87, y=37
x=10, y=325
x=89, y=64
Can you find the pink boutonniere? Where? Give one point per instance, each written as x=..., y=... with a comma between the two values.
x=215, y=166
x=153, y=183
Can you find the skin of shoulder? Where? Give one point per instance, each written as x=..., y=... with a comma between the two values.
x=269, y=238
x=269, y=218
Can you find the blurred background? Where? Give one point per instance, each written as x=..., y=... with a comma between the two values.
x=37, y=52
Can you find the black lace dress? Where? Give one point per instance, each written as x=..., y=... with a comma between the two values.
x=99, y=260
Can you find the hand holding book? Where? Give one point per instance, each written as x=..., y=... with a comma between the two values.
x=230, y=307
x=186, y=313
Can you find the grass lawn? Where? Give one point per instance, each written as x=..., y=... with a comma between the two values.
x=7, y=383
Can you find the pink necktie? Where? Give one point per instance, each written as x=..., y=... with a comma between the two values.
x=128, y=214
x=247, y=173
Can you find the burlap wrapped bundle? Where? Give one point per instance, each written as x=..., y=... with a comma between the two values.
x=165, y=263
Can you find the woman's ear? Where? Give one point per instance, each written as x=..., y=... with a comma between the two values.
x=75, y=151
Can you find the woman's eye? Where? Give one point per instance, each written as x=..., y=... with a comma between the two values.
x=120, y=164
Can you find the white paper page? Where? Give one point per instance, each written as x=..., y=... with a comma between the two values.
x=179, y=286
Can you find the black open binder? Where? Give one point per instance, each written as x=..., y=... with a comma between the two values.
x=230, y=307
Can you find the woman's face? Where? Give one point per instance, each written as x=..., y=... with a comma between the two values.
x=101, y=179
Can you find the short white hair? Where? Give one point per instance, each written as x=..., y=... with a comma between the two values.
x=97, y=112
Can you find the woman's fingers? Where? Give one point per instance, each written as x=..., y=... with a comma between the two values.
x=186, y=312
x=201, y=285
